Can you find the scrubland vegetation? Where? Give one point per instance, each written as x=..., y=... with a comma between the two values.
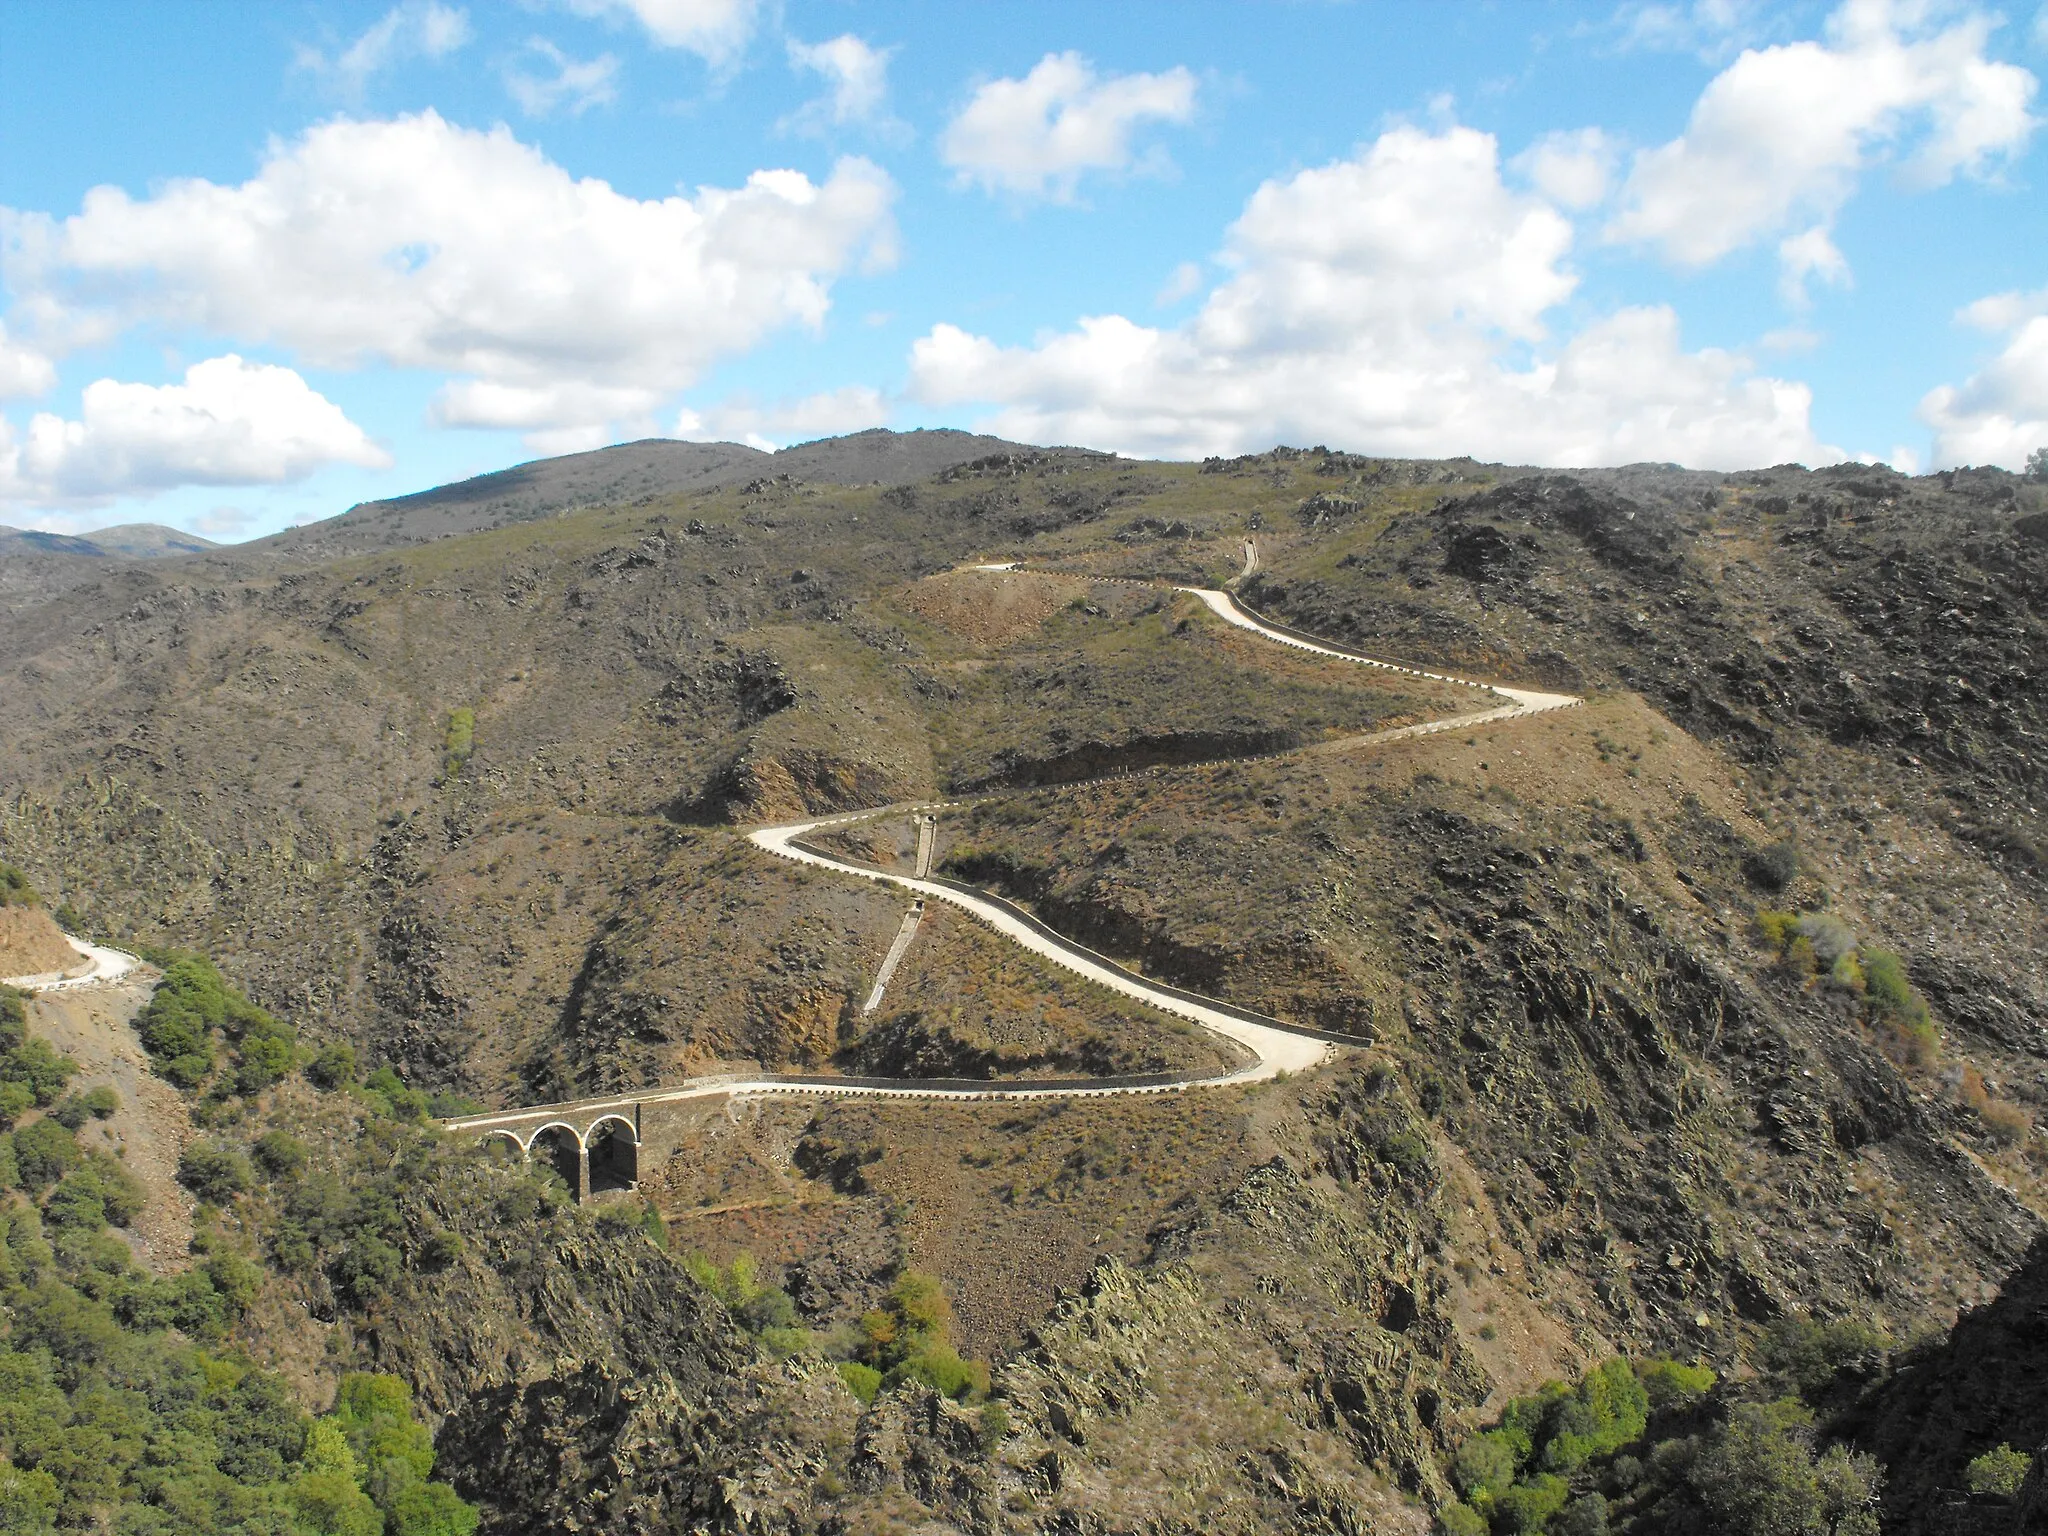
x=1661, y=1446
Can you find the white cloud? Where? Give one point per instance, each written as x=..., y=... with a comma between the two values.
x=852, y=409
x=1712, y=29
x=1812, y=254
x=413, y=30
x=24, y=372
x=578, y=84
x=1783, y=133
x=1387, y=303
x=2000, y=414
x=557, y=303
x=858, y=76
x=717, y=31
x=230, y=423
x=1572, y=168
x=1037, y=136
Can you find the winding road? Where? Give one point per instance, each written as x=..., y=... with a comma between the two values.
x=103, y=965
x=1270, y=1047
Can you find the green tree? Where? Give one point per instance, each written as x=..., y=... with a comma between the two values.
x=28, y=1502
x=44, y=1152
x=1484, y=1464
x=1668, y=1382
x=1756, y=1473
x=397, y=1455
x=1528, y=1506
x=2000, y=1470
x=327, y=1494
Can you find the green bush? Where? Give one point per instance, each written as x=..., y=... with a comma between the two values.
x=1805, y=1355
x=123, y=1194
x=396, y=1455
x=1669, y=1383
x=44, y=1152
x=910, y=1338
x=280, y=1154
x=1460, y=1520
x=1757, y=1473
x=334, y=1066
x=1999, y=1472
x=385, y=1092
x=762, y=1310
x=1485, y=1464
x=28, y=1502
x=76, y=1202
x=15, y=891
x=863, y=1381
x=35, y=1073
x=189, y=1006
x=458, y=741
x=1528, y=1506
x=214, y=1171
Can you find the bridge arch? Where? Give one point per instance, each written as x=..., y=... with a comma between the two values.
x=612, y=1153
x=562, y=1148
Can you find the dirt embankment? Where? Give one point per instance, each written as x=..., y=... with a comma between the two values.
x=92, y=1026
x=31, y=944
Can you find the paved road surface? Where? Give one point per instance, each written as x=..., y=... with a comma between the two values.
x=103, y=966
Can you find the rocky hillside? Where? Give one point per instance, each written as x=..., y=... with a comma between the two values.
x=1710, y=1010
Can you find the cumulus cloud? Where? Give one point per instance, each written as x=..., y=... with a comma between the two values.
x=577, y=84
x=2000, y=414
x=1812, y=254
x=1572, y=168
x=24, y=372
x=717, y=31
x=856, y=74
x=415, y=30
x=1038, y=136
x=556, y=303
x=852, y=409
x=231, y=422
x=1394, y=302
x=1782, y=135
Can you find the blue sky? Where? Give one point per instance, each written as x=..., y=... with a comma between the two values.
x=259, y=262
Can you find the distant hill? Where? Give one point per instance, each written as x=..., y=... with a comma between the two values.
x=623, y=476
x=33, y=563
x=148, y=541
x=128, y=541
